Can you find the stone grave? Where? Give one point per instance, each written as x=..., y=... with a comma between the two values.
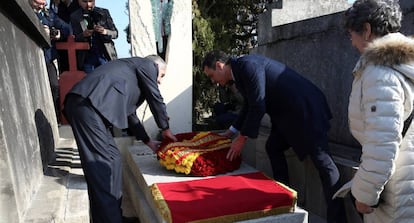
x=142, y=169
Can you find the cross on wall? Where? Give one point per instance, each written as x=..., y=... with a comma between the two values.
x=71, y=46
x=69, y=78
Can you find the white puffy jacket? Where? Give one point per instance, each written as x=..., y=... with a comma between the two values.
x=381, y=99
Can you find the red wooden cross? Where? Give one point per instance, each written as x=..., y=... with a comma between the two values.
x=69, y=78
x=71, y=46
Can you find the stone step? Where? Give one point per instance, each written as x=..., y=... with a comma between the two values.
x=62, y=195
x=56, y=191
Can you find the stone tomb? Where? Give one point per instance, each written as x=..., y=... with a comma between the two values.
x=142, y=169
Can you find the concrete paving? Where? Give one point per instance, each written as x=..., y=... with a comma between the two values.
x=62, y=196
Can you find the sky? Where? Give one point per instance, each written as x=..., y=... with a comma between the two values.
x=119, y=13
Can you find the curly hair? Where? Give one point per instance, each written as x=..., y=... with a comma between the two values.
x=384, y=16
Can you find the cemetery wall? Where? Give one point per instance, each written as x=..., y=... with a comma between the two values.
x=28, y=128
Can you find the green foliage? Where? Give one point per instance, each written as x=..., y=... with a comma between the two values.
x=203, y=42
x=227, y=25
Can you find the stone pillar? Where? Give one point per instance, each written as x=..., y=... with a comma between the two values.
x=176, y=87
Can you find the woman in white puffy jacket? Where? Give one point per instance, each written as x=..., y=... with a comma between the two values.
x=381, y=100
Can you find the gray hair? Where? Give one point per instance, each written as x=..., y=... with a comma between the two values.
x=384, y=16
x=158, y=60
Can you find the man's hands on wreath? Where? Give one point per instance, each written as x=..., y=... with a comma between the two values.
x=153, y=144
x=227, y=134
x=166, y=134
x=236, y=147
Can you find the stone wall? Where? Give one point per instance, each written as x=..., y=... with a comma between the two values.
x=302, y=10
x=319, y=49
x=176, y=87
x=28, y=127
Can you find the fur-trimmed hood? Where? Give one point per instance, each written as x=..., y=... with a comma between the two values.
x=393, y=50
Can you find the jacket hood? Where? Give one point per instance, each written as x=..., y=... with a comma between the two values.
x=394, y=50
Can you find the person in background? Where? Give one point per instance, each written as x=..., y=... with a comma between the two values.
x=63, y=11
x=380, y=101
x=109, y=96
x=298, y=111
x=57, y=30
x=64, y=8
x=226, y=109
x=94, y=25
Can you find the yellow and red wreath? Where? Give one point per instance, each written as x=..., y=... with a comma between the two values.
x=198, y=154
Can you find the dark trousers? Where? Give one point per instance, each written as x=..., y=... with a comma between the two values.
x=100, y=159
x=276, y=145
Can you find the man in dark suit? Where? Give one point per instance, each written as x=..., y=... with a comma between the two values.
x=94, y=25
x=298, y=112
x=109, y=96
x=57, y=30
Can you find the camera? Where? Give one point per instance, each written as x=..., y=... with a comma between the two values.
x=53, y=32
x=87, y=16
x=91, y=17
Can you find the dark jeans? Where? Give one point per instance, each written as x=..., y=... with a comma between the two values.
x=92, y=62
x=328, y=172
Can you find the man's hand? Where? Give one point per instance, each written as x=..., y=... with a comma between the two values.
x=227, y=133
x=363, y=208
x=236, y=147
x=100, y=29
x=57, y=36
x=47, y=29
x=168, y=135
x=153, y=144
x=87, y=32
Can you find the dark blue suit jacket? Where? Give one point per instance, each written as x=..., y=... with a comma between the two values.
x=297, y=108
x=118, y=88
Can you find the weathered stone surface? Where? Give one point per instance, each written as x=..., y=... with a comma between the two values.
x=176, y=87
x=28, y=126
x=297, y=10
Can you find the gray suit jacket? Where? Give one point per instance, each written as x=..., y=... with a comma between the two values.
x=118, y=88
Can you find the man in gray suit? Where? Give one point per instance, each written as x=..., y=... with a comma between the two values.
x=109, y=96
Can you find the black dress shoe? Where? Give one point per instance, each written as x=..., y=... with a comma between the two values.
x=130, y=219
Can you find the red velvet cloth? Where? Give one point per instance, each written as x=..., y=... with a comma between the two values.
x=225, y=198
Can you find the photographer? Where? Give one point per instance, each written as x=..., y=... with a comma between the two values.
x=57, y=29
x=94, y=25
